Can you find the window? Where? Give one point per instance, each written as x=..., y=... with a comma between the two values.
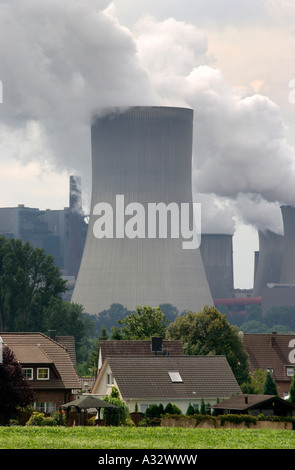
x=45, y=406
x=270, y=370
x=28, y=373
x=290, y=371
x=175, y=377
x=143, y=407
x=43, y=373
x=110, y=379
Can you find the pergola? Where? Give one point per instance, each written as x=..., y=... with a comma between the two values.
x=85, y=402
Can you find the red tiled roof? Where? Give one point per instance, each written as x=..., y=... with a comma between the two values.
x=137, y=348
x=36, y=348
x=244, y=402
x=269, y=351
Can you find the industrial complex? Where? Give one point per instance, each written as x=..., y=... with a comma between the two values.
x=143, y=156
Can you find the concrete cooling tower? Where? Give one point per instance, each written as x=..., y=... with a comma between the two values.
x=141, y=157
x=269, y=264
x=217, y=256
x=288, y=267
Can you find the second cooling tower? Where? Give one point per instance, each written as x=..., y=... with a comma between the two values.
x=140, y=155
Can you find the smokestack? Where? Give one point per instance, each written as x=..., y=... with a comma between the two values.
x=270, y=260
x=288, y=267
x=143, y=154
x=217, y=255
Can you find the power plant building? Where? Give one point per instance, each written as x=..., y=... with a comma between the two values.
x=141, y=156
x=61, y=232
x=269, y=263
x=217, y=256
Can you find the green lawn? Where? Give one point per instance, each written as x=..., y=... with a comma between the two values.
x=17, y=437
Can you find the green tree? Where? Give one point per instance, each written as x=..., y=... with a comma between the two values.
x=270, y=387
x=292, y=390
x=67, y=318
x=29, y=279
x=190, y=410
x=203, y=410
x=14, y=387
x=209, y=333
x=144, y=323
x=254, y=326
x=109, y=317
x=115, y=417
x=92, y=361
x=256, y=383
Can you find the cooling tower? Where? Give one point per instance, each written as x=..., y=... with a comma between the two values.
x=144, y=156
x=217, y=256
x=288, y=267
x=269, y=265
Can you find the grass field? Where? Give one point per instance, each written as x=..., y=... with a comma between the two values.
x=17, y=437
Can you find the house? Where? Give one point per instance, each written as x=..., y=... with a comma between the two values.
x=274, y=353
x=155, y=346
x=47, y=366
x=147, y=380
x=269, y=405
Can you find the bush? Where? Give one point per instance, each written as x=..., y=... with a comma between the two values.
x=36, y=419
x=39, y=419
x=172, y=409
x=190, y=411
x=238, y=419
x=112, y=416
x=154, y=411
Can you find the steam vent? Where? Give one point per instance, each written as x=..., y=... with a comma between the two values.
x=144, y=156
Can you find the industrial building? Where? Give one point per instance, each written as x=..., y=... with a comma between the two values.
x=145, y=155
x=269, y=260
x=217, y=255
x=61, y=233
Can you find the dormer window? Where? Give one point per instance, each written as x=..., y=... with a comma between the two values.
x=43, y=373
x=270, y=370
x=28, y=373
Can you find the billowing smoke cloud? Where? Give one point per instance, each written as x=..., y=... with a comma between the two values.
x=240, y=150
x=62, y=61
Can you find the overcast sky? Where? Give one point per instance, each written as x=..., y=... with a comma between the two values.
x=231, y=61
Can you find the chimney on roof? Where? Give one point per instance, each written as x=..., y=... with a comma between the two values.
x=246, y=400
x=51, y=334
x=272, y=338
x=156, y=344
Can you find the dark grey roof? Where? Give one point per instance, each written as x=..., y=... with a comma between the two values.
x=148, y=377
x=88, y=401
